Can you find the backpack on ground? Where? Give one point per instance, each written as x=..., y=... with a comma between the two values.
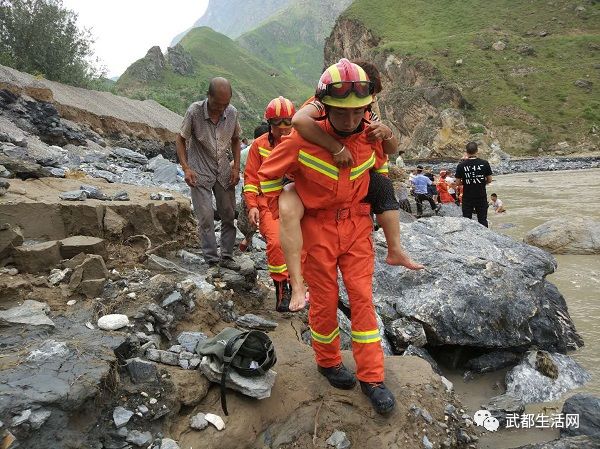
x=250, y=353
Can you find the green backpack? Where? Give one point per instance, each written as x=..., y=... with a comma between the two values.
x=250, y=353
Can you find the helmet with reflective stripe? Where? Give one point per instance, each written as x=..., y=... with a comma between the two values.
x=279, y=108
x=345, y=85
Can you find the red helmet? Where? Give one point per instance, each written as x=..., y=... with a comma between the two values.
x=345, y=85
x=279, y=112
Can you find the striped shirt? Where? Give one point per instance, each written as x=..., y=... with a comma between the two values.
x=208, y=145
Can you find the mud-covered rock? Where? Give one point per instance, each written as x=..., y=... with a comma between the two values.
x=543, y=376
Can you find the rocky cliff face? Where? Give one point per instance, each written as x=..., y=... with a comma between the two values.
x=492, y=77
x=425, y=116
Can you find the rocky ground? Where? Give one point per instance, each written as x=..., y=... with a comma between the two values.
x=508, y=165
x=103, y=297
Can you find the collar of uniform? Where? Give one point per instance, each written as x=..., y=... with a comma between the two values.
x=205, y=110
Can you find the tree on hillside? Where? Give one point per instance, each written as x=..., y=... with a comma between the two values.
x=42, y=37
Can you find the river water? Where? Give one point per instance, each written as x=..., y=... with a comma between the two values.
x=532, y=199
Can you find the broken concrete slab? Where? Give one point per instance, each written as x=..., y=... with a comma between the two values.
x=37, y=257
x=71, y=246
x=114, y=225
x=89, y=276
x=32, y=313
x=10, y=237
x=161, y=222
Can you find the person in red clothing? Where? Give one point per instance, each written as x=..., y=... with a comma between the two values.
x=442, y=187
x=337, y=228
x=279, y=115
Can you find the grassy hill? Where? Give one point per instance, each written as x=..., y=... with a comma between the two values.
x=544, y=83
x=292, y=39
x=212, y=54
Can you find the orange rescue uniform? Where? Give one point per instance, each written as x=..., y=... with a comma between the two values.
x=268, y=226
x=337, y=230
x=444, y=196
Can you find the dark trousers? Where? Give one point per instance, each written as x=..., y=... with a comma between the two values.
x=419, y=198
x=479, y=206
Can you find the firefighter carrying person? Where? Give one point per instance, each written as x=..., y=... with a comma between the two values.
x=381, y=190
x=279, y=113
x=337, y=229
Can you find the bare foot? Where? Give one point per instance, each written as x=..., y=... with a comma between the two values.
x=400, y=257
x=298, y=301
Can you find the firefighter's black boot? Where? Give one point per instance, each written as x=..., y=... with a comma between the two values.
x=283, y=295
x=339, y=376
x=381, y=398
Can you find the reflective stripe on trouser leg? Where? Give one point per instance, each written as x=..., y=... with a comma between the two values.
x=320, y=273
x=357, y=265
x=269, y=228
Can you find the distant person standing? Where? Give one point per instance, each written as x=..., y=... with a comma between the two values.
x=209, y=137
x=421, y=185
x=474, y=174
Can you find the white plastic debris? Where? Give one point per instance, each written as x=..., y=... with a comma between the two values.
x=215, y=420
x=71, y=302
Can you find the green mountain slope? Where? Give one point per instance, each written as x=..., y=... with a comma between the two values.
x=182, y=77
x=292, y=39
x=544, y=82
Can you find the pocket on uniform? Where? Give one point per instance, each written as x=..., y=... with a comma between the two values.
x=319, y=178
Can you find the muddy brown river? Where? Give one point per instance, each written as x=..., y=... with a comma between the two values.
x=531, y=199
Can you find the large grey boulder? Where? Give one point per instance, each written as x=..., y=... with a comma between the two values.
x=587, y=407
x=479, y=288
x=567, y=235
x=258, y=387
x=543, y=377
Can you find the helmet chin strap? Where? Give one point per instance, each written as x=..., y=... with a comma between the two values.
x=358, y=129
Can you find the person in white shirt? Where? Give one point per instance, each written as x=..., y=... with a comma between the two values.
x=450, y=180
x=497, y=204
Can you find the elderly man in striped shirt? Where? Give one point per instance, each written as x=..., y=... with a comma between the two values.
x=208, y=139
